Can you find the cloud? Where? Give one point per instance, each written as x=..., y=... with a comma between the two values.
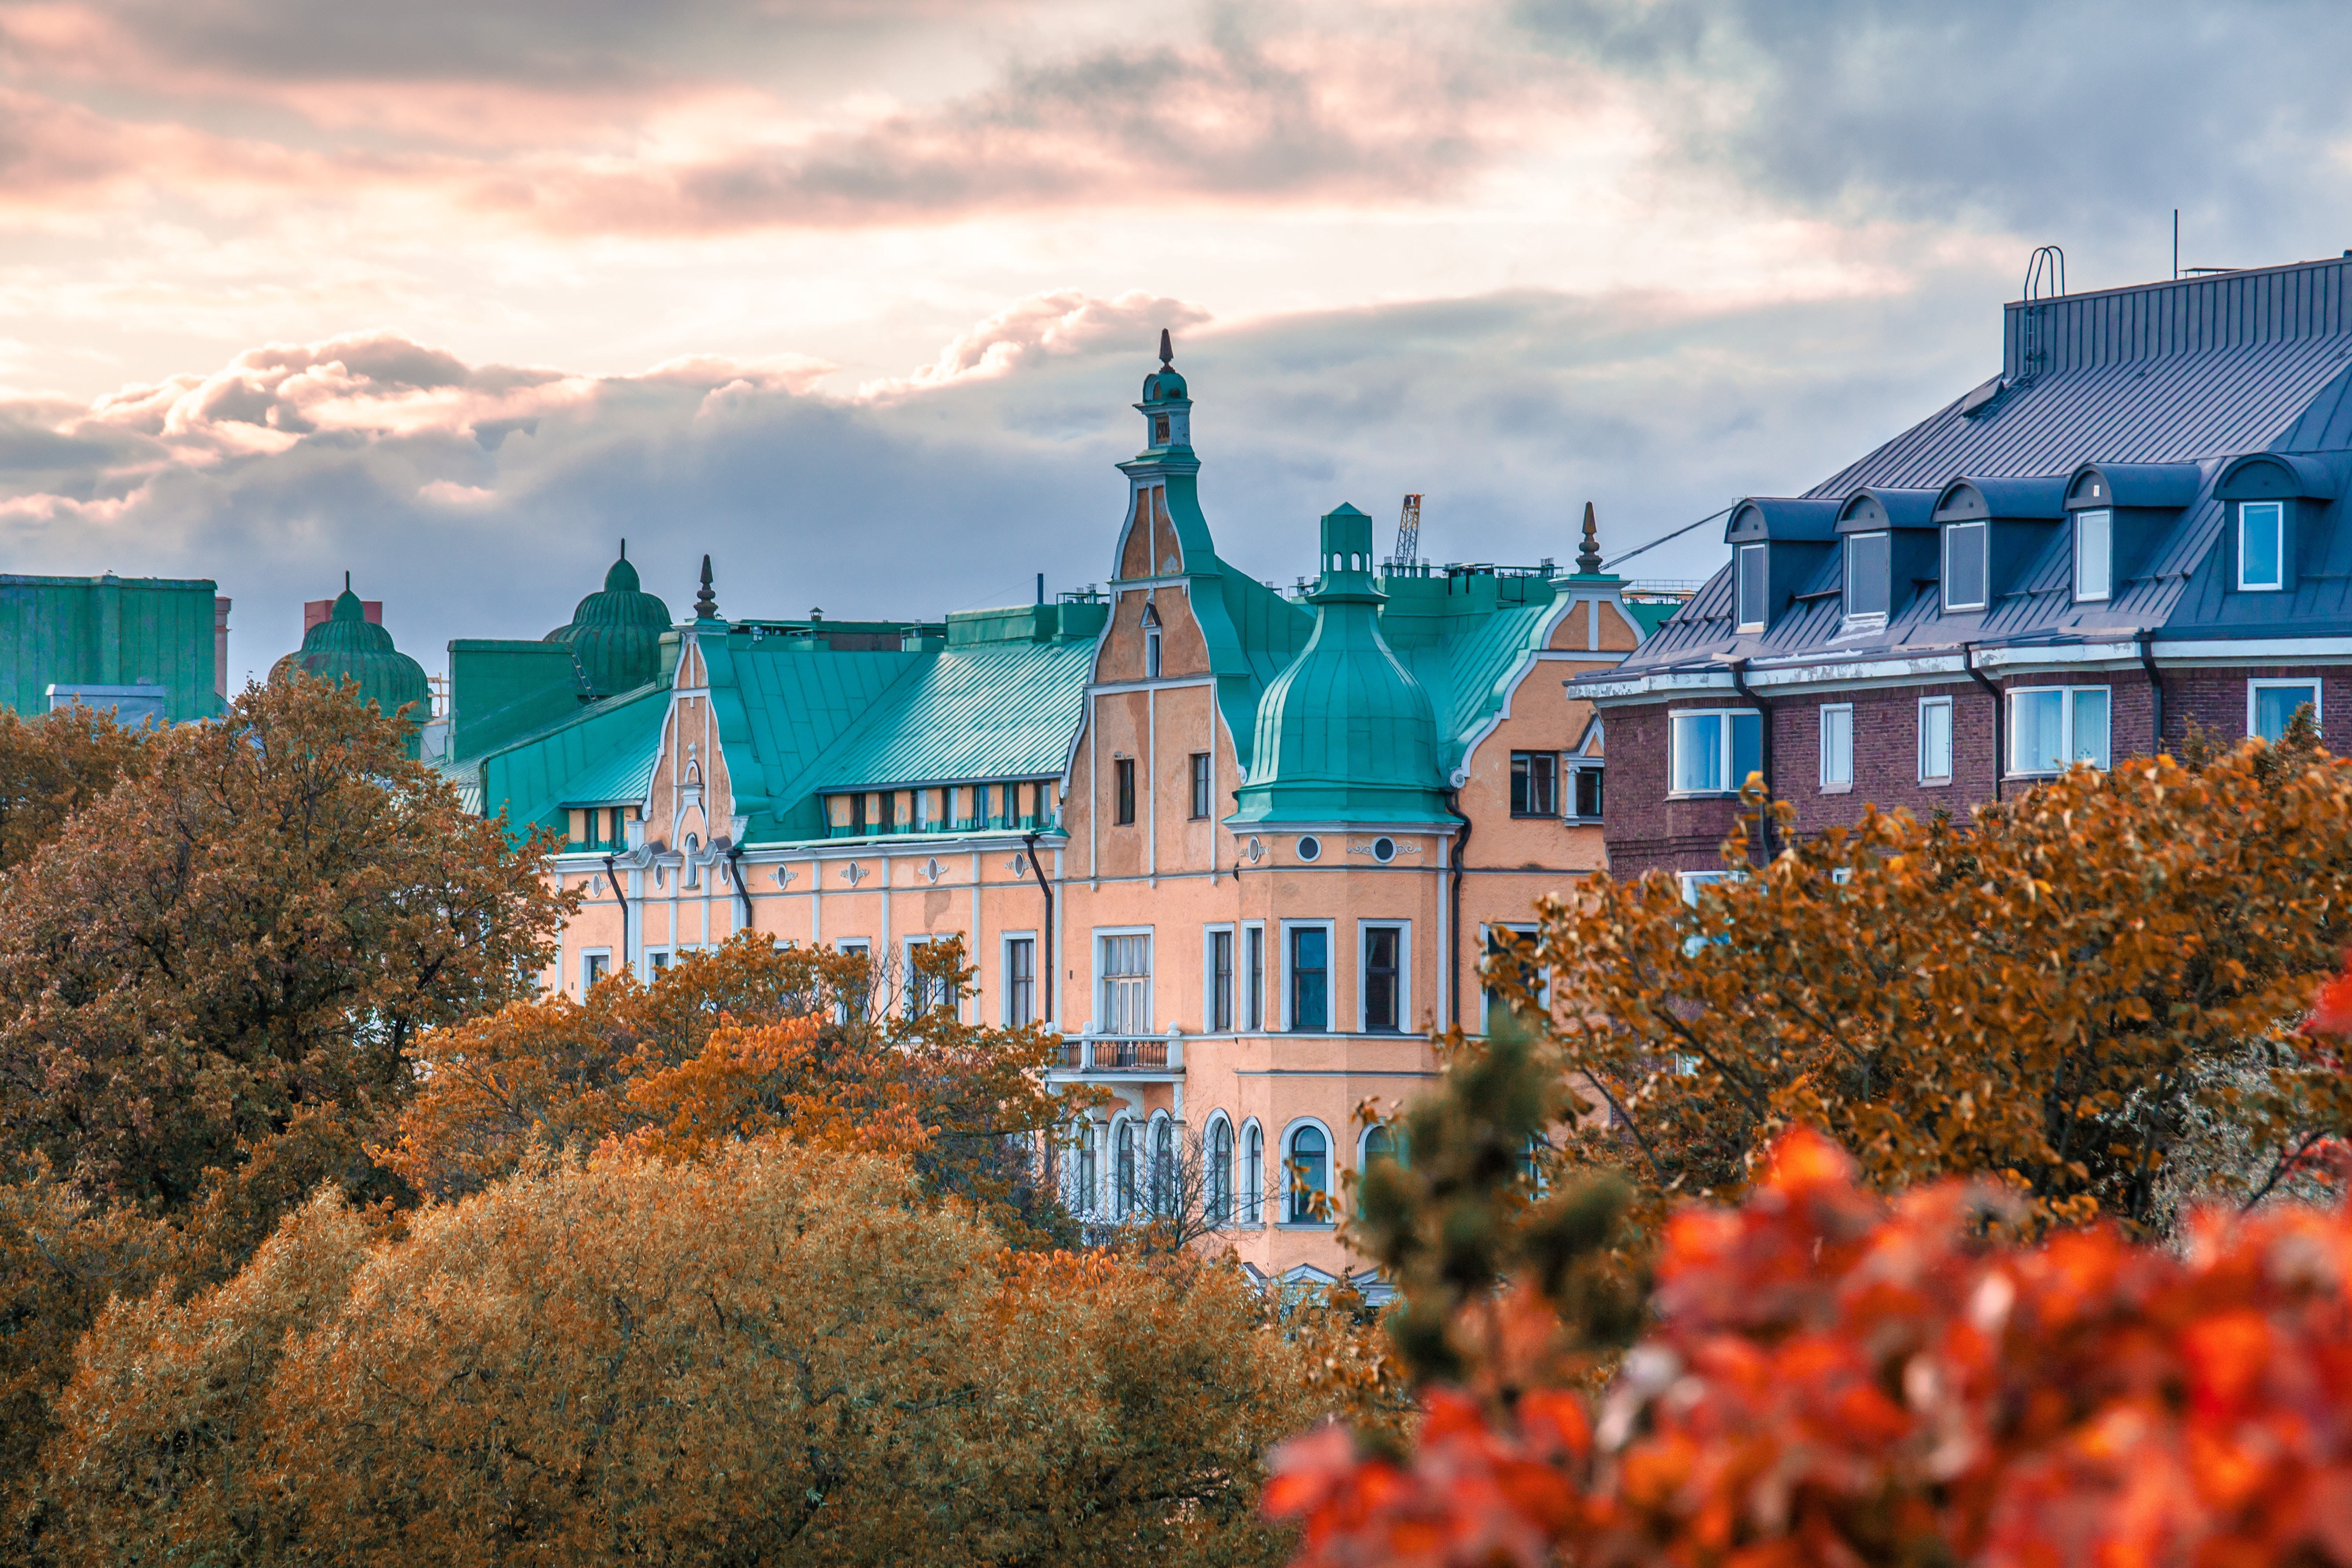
x=1043, y=326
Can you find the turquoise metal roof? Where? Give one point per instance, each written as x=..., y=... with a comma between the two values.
x=974, y=713
x=621, y=779
x=532, y=778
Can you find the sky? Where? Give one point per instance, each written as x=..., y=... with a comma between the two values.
x=855, y=295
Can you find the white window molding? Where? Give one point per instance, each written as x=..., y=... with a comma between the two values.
x=2095, y=554
x=1250, y=1174
x=1967, y=582
x=1486, y=931
x=1286, y=946
x=1254, y=983
x=1236, y=980
x=2050, y=728
x=596, y=964
x=1935, y=741
x=1837, y=748
x=1866, y=594
x=1403, y=929
x=1220, y=1172
x=1751, y=583
x=1133, y=1016
x=2262, y=546
x=2276, y=700
x=1285, y=1177
x=1004, y=1006
x=1711, y=751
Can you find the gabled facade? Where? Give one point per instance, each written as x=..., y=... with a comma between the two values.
x=2137, y=526
x=1242, y=849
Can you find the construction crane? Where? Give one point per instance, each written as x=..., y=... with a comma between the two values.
x=1408, y=546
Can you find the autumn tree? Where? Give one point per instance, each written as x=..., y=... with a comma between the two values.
x=741, y=1041
x=261, y=923
x=770, y=1354
x=52, y=765
x=2042, y=994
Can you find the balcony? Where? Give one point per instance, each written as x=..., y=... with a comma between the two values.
x=1143, y=1056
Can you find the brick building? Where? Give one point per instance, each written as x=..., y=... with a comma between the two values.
x=2137, y=526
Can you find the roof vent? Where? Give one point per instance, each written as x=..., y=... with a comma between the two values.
x=1982, y=398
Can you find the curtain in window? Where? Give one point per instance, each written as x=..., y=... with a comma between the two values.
x=1126, y=981
x=2274, y=708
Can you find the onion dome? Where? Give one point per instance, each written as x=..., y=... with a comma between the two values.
x=348, y=645
x=1345, y=735
x=616, y=633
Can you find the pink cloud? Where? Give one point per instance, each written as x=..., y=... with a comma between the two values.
x=1040, y=327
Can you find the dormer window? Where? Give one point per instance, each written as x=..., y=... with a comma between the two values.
x=2094, y=554
x=1159, y=429
x=2262, y=546
x=1868, y=585
x=1151, y=643
x=1965, y=571
x=1751, y=586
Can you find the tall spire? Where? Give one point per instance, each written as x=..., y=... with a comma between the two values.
x=624, y=550
x=1167, y=349
x=1587, y=560
x=706, y=606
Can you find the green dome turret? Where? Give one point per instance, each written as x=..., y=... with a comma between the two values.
x=615, y=634
x=1345, y=735
x=348, y=645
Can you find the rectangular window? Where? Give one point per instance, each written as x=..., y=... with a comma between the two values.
x=858, y=816
x=1221, y=981
x=1126, y=985
x=660, y=961
x=1869, y=582
x=2271, y=706
x=1837, y=747
x=1498, y=943
x=2054, y=727
x=1254, y=1000
x=1714, y=751
x=2095, y=554
x=1123, y=770
x=1311, y=978
x=2262, y=546
x=1587, y=790
x=926, y=994
x=1201, y=793
x=1534, y=775
x=1384, y=979
x=980, y=806
x=1752, y=586
x=1967, y=570
x=1935, y=739
x=1020, y=981
x=593, y=966
x=857, y=993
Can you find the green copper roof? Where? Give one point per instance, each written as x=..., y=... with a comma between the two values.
x=615, y=634
x=347, y=646
x=1345, y=733
x=535, y=777
x=1007, y=711
x=108, y=631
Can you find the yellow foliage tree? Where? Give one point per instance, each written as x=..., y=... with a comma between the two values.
x=771, y=1355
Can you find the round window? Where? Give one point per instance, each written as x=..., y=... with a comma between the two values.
x=1256, y=851
x=1383, y=850
x=1310, y=848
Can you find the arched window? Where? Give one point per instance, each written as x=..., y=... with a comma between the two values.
x=1088, y=1191
x=1220, y=1173
x=1254, y=1178
x=1163, y=1167
x=1384, y=1143
x=1123, y=1169
x=1309, y=1168
x=1151, y=643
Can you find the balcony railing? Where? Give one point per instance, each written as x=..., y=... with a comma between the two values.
x=1105, y=1053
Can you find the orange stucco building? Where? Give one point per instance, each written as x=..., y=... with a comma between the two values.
x=1242, y=849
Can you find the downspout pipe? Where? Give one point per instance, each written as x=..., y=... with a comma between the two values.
x=1454, y=921
x=612, y=873
x=2146, y=641
x=1763, y=753
x=735, y=873
x=1053, y=988
x=1968, y=658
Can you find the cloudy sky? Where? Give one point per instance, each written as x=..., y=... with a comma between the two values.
x=852, y=294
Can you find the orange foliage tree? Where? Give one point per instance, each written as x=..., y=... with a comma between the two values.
x=1830, y=1380
x=2065, y=994
x=742, y=1041
x=772, y=1354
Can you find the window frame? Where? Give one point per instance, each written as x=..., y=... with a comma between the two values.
x=1822, y=727
x=1250, y=1200
x=1486, y=946
x=1364, y=929
x=1983, y=529
x=1231, y=980
x=1249, y=971
x=1865, y=620
x=864, y=947
x=2277, y=510
x=1330, y=929
x=1220, y=1209
x=1204, y=789
x=1722, y=718
x=596, y=964
x=917, y=990
x=1528, y=771
x=1928, y=779
x=2066, y=742
x=2312, y=683
x=1154, y=650
x=1103, y=935
x=1122, y=773
x=1740, y=621
x=2106, y=554
x=1577, y=768
x=1288, y=1147
x=1006, y=942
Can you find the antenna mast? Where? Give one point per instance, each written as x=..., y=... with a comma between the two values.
x=1407, y=544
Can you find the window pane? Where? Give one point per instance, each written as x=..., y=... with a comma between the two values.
x=1698, y=751
x=1126, y=985
x=2091, y=726
x=1308, y=1159
x=1520, y=782
x=1543, y=795
x=1751, y=586
x=1311, y=978
x=1747, y=748
x=1254, y=1012
x=1253, y=1179
x=2274, y=708
x=2260, y=524
x=2093, y=553
x=1837, y=748
x=1221, y=981
x=2038, y=742
x=1588, y=792
x=1964, y=566
x=1381, y=945
x=1866, y=566
x=1221, y=1175
x=1935, y=739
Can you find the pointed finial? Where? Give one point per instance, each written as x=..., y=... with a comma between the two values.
x=1167, y=349
x=1587, y=560
x=706, y=606
x=624, y=550
x=347, y=582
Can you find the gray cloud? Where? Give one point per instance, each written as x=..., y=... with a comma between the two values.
x=2084, y=123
